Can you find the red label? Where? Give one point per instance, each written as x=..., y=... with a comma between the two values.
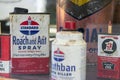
x=108, y=67
x=30, y=65
x=4, y=55
x=7, y=75
x=5, y=47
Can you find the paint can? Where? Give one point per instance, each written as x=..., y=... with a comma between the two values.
x=5, y=59
x=68, y=56
x=30, y=43
x=91, y=15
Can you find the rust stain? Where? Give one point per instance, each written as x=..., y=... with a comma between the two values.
x=15, y=19
x=40, y=19
x=34, y=18
x=67, y=44
x=70, y=42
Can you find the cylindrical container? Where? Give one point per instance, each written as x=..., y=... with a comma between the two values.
x=108, y=56
x=30, y=43
x=92, y=15
x=68, y=56
x=5, y=55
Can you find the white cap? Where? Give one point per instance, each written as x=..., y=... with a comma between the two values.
x=69, y=35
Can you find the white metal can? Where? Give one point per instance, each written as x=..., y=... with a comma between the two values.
x=68, y=56
x=30, y=43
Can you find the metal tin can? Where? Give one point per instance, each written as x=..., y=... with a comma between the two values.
x=68, y=56
x=91, y=15
x=108, y=56
x=30, y=43
x=5, y=68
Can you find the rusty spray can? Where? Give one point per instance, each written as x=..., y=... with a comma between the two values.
x=68, y=56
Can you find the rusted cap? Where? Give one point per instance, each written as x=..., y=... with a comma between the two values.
x=70, y=25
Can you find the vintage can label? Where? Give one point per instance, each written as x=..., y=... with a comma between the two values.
x=92, y=16
x=30, y=43
x=5, y=68
x=108, y=56
x=68, y=59
x=108, y=67
x=108, y=45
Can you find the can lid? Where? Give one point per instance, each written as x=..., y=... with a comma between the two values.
x=18, y=10
x=70, y=25
x=69, y=35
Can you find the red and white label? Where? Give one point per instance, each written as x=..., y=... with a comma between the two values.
x=4, y=66
x=30, y=43
x=108, y=45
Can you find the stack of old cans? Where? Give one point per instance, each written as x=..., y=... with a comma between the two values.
x=108, y=56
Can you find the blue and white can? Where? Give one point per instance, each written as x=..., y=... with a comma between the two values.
x=68, y=60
